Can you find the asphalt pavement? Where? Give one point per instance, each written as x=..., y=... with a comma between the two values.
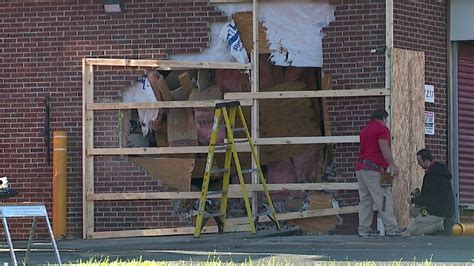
x=290, y=247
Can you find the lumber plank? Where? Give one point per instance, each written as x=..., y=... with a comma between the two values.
x=166, y=64
x=155, y=196
x=164, y=90
x=87, y=144
x=307, y=140
x=158, y=150
x=163, y=104
x=152, y=232
x=240, y=147
x=234, y=191
x=305, y=94
x=186, y=84
x=153, y=78
x=298, y=215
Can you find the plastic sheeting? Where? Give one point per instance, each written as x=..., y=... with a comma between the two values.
x=142, y=92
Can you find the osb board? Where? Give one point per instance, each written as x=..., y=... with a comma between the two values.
x=317, y=224
x=407, y=116
x=174, y=172
x=287, y=118
x=243, y=21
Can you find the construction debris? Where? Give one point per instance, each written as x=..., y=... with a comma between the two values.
x=192, y=127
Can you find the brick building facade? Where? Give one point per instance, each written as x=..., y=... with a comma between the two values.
x=43, y=42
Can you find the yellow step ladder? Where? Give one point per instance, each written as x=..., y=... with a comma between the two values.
x=229, y=111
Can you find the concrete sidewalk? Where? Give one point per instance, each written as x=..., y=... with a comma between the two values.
x=238, y=247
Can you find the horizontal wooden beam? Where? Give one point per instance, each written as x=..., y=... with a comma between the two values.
x=305, y=94
x=166, y=64
x=232, y=224
x=151, y=232
x=297, y=215
x=155, y=196
x=299, y=186
x=241, y=147
x=306, y=140
x=234, y=191
x=159, y=150
x=162, y=104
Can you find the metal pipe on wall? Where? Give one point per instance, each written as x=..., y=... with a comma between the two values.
x=59, y=184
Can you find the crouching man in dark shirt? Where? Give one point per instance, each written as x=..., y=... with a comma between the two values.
x=436, y=199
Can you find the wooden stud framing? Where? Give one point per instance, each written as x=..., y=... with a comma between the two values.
x=255, y=85
x=162, y=104
x=234, y=191
x=87, y=140
x=388, y=53
x=165, y=64
x=246, y=99
x=305, y=94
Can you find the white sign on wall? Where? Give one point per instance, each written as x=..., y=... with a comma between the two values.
x=429, y=93
x=429, y=123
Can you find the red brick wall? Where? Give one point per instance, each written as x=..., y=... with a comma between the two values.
x=422, y=26
x=358, y=28
x=42, y=44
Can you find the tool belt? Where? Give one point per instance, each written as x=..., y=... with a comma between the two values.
x=386, y=179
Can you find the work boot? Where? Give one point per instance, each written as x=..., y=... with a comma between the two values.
x=400, y=231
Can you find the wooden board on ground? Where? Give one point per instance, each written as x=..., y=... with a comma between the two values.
x=243, y=21
x=407, y=115
x=317, y=224
x=174, y=172
x=287, y=117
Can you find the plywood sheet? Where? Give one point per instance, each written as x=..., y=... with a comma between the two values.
x=407, y=116
x=174, y=172
x=243, y=21
x=285, y=118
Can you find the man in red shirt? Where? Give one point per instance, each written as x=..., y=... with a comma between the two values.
x=375, y=156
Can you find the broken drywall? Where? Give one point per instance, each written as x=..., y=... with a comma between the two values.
x=294, y=32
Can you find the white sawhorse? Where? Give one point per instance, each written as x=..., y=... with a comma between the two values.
x=21, y=210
